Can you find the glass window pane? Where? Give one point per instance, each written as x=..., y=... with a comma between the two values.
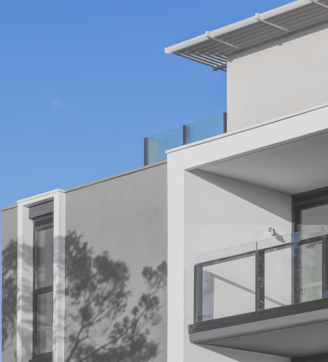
x=317, y=216
x=44, y=257
x=229, y=288
x=278, y=277
x=310, y=272
x=43, y=323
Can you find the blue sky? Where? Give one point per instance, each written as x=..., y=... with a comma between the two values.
x=83, y=82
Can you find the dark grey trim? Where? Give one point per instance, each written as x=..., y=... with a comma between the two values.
x=41, y=209
x=144, y=168
x=310, y=196
x=46, y=219
x=260, y=280
x=184, y=132
x=145, y=151
x=46, y=357
x=198, y=294
x=307, y=200
x=316, y=358
x=325, y=267
x=278, y=312
x=225, y=120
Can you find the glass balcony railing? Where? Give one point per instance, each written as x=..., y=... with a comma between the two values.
x=272, y=273
x=156, y=146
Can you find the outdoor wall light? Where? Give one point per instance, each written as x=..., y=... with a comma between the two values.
x=272, y=231
x=276, y=235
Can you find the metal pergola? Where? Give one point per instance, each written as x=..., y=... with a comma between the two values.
x=213, y=48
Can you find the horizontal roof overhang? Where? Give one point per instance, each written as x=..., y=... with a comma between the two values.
x=213, y=48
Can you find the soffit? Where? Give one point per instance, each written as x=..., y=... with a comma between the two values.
x=290, y=168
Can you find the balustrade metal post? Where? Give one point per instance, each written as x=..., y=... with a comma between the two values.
x=325, y=267
x=198, y=293
x=260, y=280
x=225, y=122
x=146, y=151
x=184, y=135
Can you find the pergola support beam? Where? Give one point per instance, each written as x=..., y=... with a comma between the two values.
x=209, y=36
x=258, y=17
x=318, y=3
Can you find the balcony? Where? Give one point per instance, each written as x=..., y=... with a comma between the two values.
x=156, y=146
x=269, y=296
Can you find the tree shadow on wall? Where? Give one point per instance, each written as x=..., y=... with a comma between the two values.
x=99, y=327
x=9, y=299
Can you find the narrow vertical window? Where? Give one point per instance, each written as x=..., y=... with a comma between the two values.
x=43, y=285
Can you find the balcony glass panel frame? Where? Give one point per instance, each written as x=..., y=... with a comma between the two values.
x=304, y=248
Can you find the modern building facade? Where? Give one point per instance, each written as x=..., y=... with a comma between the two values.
x=243, y=215
x=240, y=286
x=104, y=295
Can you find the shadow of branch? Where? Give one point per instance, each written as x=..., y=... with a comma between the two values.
x=97, y=294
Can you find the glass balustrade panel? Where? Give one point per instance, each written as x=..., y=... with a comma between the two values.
x=310, y=272
x=288, y=270
x=278, y=277
x=229, y=288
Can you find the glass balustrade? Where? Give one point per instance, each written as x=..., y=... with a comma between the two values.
x=272, y=273
x=156, y=146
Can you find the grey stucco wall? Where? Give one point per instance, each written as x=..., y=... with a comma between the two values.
x=278, y=78
x=116, y=253
x=9, y=284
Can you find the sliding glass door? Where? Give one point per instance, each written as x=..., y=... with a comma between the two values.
x=310, y=211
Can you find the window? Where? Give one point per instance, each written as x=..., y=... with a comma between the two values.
x=43, y=286
x=310, y=211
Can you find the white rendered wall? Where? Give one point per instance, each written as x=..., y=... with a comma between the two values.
x=189, y=221
x=222, y=213
x=279, y=78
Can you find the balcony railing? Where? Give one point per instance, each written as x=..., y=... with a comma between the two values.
x=280, y=271
x=156, y=146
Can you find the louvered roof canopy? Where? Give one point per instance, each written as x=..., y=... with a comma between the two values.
x=213, y=48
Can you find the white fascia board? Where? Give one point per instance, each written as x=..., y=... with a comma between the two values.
x=29, y=200
x=229, y=134
x=241, y=24
x=253, y=140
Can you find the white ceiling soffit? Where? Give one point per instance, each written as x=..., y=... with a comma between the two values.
x=212, y=48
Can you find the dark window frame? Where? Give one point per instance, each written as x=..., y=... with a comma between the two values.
x=307, y=200
x=40, y=223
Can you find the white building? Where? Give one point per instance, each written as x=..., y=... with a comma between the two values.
x=260, y=301
x=246, y=224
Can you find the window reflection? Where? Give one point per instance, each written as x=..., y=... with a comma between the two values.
x=44, y=257
x=44, y=323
